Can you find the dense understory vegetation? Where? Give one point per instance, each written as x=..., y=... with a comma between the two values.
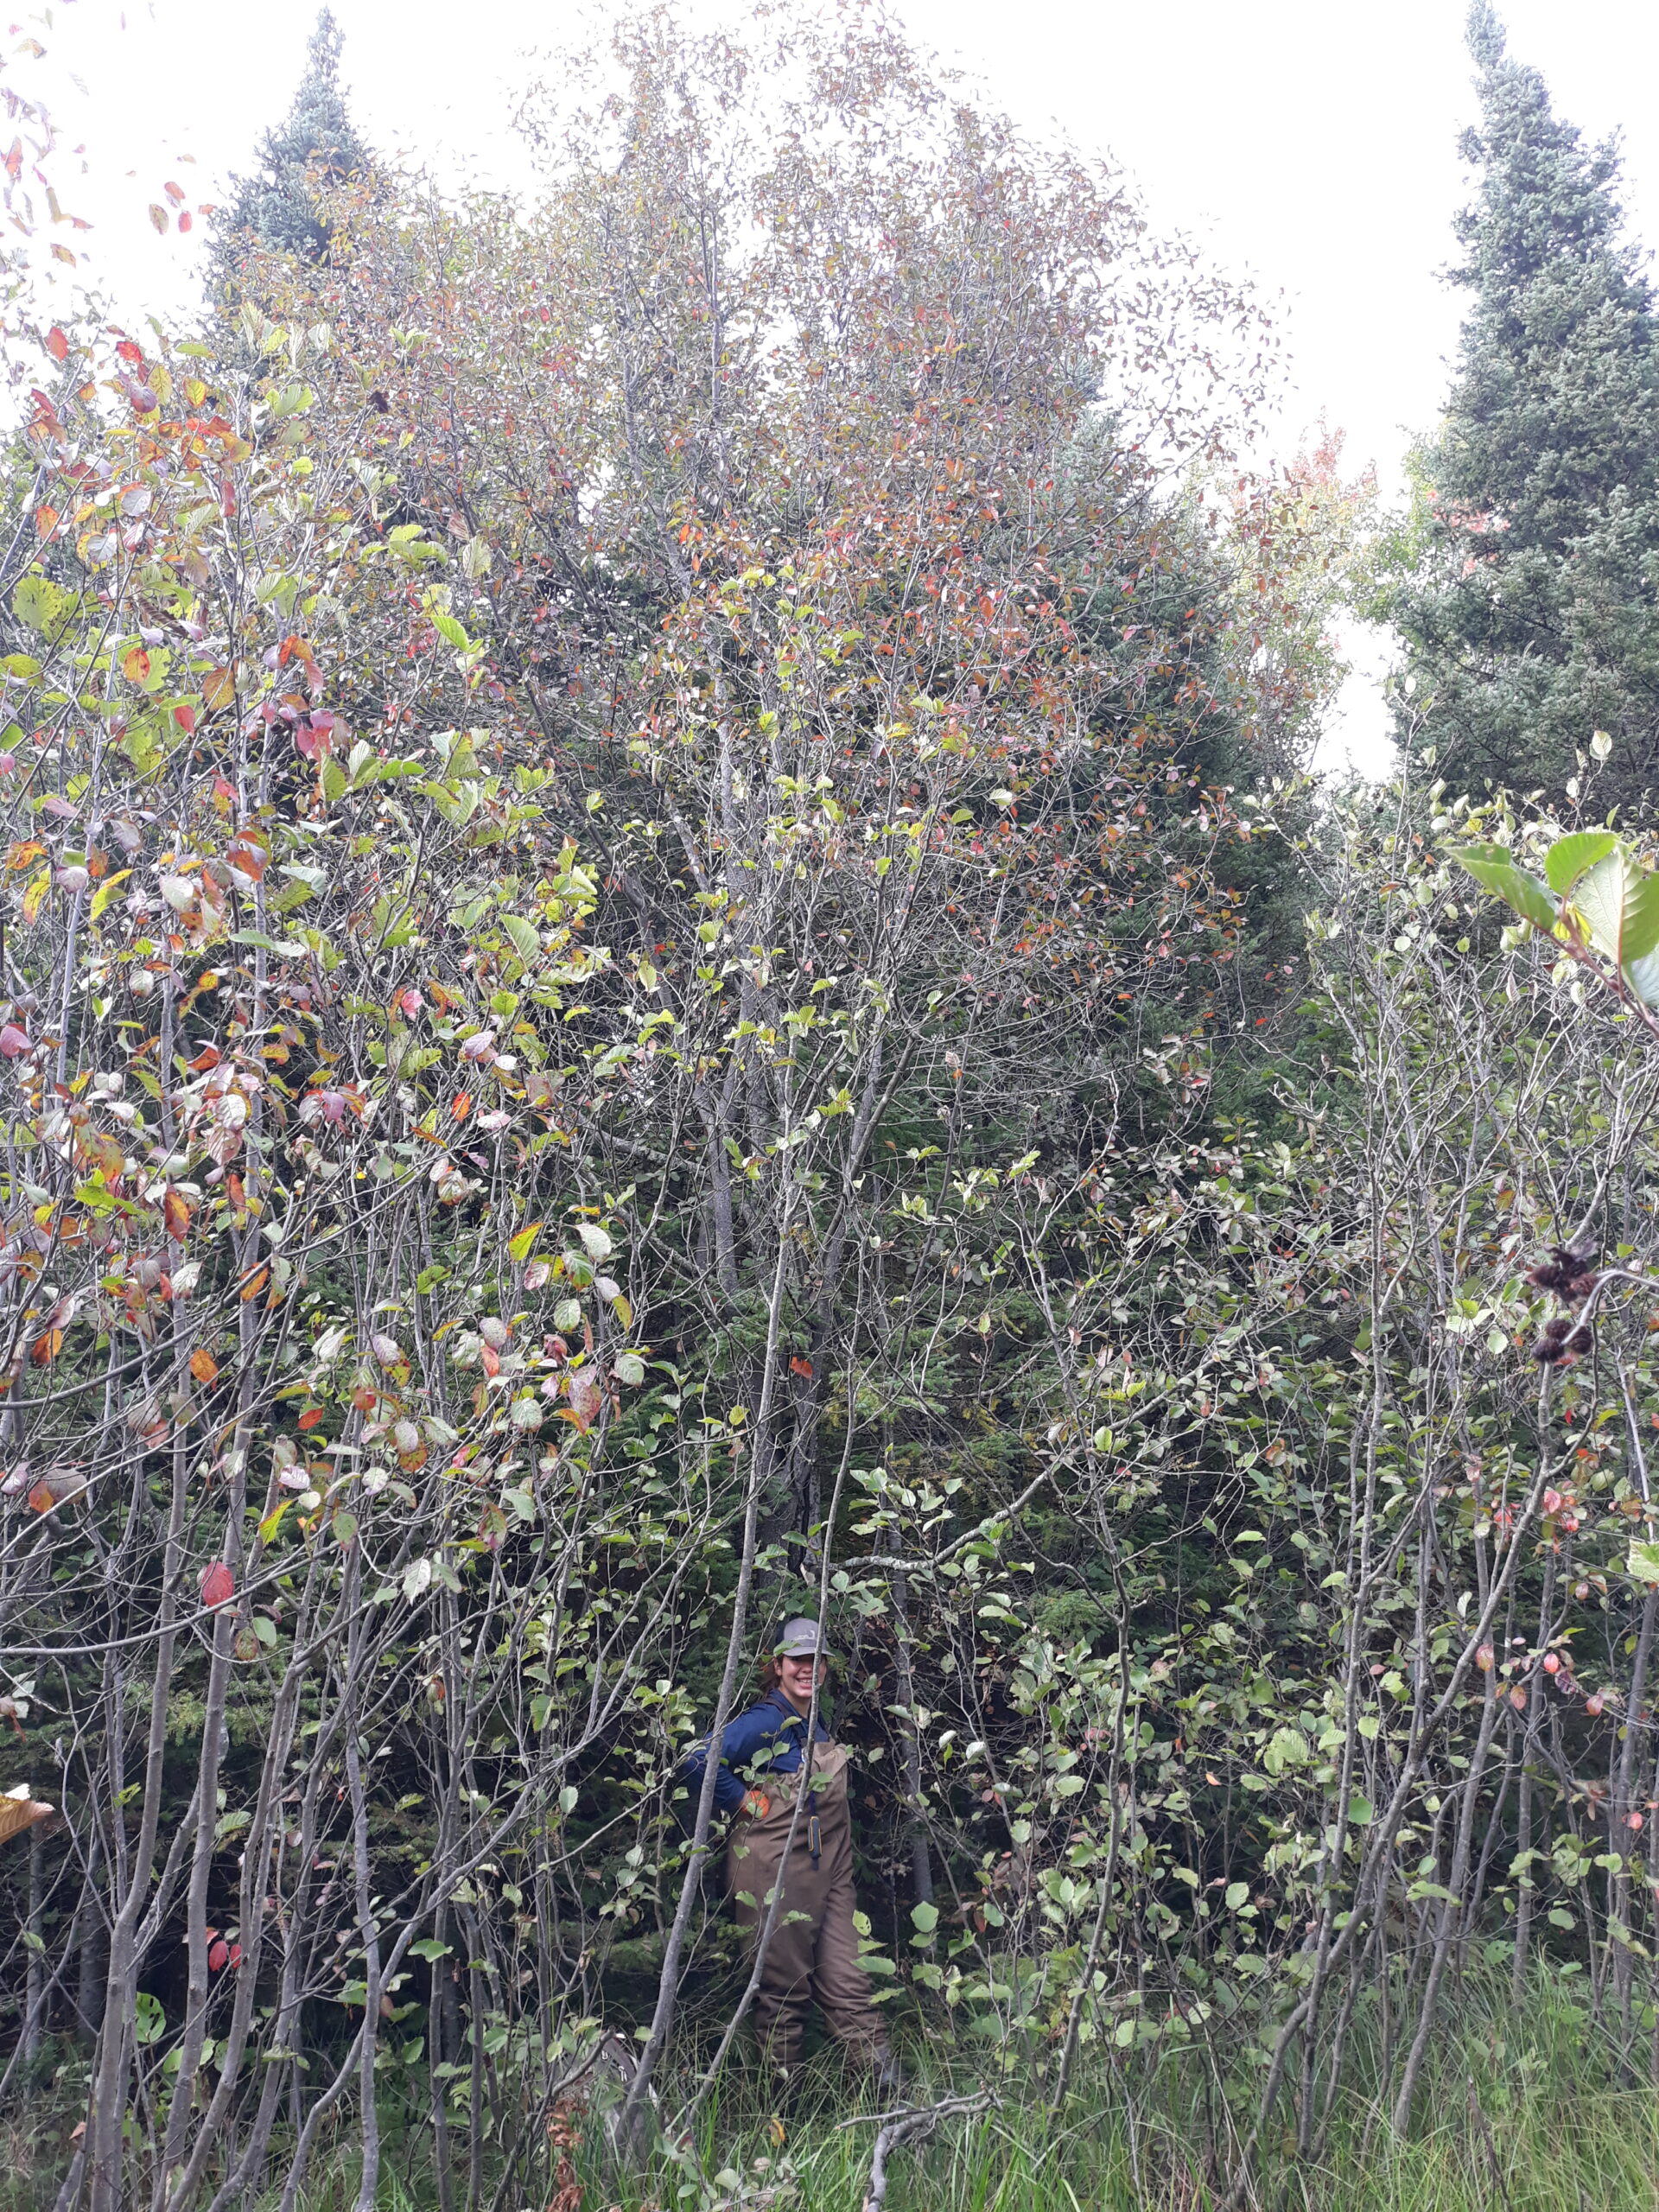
x=666, y=963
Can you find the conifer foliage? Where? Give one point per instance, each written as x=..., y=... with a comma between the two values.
x=1529, y=616
x=278, y=205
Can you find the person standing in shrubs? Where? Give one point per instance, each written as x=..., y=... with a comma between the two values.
x=812, y=1951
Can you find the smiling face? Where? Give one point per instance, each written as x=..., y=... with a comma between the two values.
x=796, y=1678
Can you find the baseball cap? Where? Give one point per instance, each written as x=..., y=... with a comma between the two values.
x=801, y=1639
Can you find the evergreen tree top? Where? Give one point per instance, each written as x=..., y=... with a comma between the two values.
x=1554, y=406
x=276, y=205
x=1529, y=619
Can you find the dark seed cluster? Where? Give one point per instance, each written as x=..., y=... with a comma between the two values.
x=1570, y=1273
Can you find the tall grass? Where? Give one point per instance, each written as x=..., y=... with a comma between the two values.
x=1522, y=2110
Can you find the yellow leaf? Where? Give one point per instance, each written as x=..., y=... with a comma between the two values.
x=525, y=1242
x=107, y=889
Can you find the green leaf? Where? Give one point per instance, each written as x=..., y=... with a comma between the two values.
x=1495, y=871
x=39, y=603
x=1238, y=1893
x=925, y=1918
x=1643, y=1563
x=525, y=942
x=284, y=948
x=452, y=632
x=521, y=1246
x=1568, y=857
x=1617, y=903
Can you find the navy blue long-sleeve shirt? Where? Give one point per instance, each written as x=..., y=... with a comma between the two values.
x=770, y=1738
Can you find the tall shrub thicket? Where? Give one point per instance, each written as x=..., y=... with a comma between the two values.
x=621, y=931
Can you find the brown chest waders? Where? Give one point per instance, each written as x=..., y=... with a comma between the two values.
x=813, y=1949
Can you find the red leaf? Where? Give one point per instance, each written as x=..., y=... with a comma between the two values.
x=219, y=1955
x=186, y=719
x=311, y=1416
x=800, y=1366
x=56, y=344
x=218, y=1584
x=175, y=1215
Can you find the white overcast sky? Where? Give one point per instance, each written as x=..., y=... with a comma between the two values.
x=1311, y=142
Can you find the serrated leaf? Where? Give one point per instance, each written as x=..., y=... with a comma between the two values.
x=1617, y=903
x=1495, y=871
x=40, y=603
x=1568, y=857
x=525, y=942
x=452, y=632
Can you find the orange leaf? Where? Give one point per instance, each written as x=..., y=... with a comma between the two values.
x=46, y=521
x=489, y=1361
x=800, y=1366
x=41, y=1499
x=219, y=688
x=47, y=1348
x=18, y=1814
x=175, y=1215
x=311, y=1416
x=255, y=1283
x=204, y=1366
x=56, y=344
x=134, y=663
x=461, y=1105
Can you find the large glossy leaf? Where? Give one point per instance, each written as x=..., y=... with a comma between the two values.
x=1491, y=866
x=1643, y=976
x=1568, y=857
x=1618, y=902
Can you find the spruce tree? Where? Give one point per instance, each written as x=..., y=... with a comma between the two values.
x=1529, y=617
x=277, y=206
